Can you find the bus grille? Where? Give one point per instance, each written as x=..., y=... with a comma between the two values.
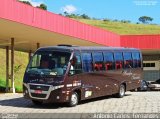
x=39, y=87
x=39, y=91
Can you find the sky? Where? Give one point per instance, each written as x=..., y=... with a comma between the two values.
x=111, y=9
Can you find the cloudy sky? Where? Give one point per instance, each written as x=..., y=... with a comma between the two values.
x=112, y=9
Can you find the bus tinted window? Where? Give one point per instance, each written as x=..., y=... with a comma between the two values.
x=98, y=61
x=127, y=60
x=136, y=59
x=87, y=62
x=109, y=61
x=118, y=60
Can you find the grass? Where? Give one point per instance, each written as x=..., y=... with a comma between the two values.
x=20, y=59
x=2, y=82
x=124, y=28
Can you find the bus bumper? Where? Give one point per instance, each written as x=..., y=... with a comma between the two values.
x=53, y=95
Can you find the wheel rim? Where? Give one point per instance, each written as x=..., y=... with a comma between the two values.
x=74, y=99
x=122, y=90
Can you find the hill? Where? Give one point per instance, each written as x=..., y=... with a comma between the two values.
x=124, y=28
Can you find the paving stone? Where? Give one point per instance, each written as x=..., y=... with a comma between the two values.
x=134, y=102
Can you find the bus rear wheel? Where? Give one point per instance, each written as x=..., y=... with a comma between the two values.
x=121, y=92
x=73, y=100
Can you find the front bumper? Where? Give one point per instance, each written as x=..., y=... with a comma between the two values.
x=48, y=93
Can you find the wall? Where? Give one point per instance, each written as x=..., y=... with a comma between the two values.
x=141, y=41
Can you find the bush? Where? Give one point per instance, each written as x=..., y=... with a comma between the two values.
x=106, y=20
x=125, y=21
x=116, y=20
x=2, y=83
x=18, y=89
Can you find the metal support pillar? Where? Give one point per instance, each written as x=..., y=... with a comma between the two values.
x=38, y=58
x=29, y=55
x=7, y=68
x=38, y=45
x=12, y=66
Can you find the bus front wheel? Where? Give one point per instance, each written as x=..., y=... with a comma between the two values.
x=121, y=92
x=73, y=100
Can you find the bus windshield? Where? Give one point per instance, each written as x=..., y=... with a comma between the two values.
x=49, y=63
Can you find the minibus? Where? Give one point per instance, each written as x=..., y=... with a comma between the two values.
x=66, y=73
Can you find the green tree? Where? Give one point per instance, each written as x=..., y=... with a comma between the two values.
x=145, y=19
x=26, y=2
x=84, y=16
x=42, y=6
x=66, y=13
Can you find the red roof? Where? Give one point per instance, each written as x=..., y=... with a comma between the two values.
x=34, y=17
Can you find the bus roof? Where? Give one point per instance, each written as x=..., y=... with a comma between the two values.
x=84, y=48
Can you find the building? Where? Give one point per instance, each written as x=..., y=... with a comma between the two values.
x=25, y=28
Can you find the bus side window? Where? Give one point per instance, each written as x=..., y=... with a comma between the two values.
x=128, y=62
x=118, y=60
x=87, y=62
x=136, y=59
x=98, y=61
x=109, y=61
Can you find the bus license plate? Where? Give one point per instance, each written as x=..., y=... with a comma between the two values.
x=38, y=91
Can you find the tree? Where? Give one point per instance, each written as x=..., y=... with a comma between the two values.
x=26, y=2
x=145, y=19
x=84, y=16
x=42, y=6
x=66, y=13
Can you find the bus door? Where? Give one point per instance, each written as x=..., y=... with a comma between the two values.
x=81, y=77
x=75, y=72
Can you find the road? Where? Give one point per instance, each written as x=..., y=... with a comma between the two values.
x=133, y=102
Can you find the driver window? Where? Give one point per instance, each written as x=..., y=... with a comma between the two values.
x=76, y=65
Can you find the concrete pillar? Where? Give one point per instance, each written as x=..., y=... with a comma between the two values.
x=7, y=68
x=12, y=66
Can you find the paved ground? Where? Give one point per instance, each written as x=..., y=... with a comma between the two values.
x=133, y=102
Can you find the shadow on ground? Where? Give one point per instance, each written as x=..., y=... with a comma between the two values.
x=25, y=103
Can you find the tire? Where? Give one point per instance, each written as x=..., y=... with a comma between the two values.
x=73, y=100
x=36, y=102
x=121, y=92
